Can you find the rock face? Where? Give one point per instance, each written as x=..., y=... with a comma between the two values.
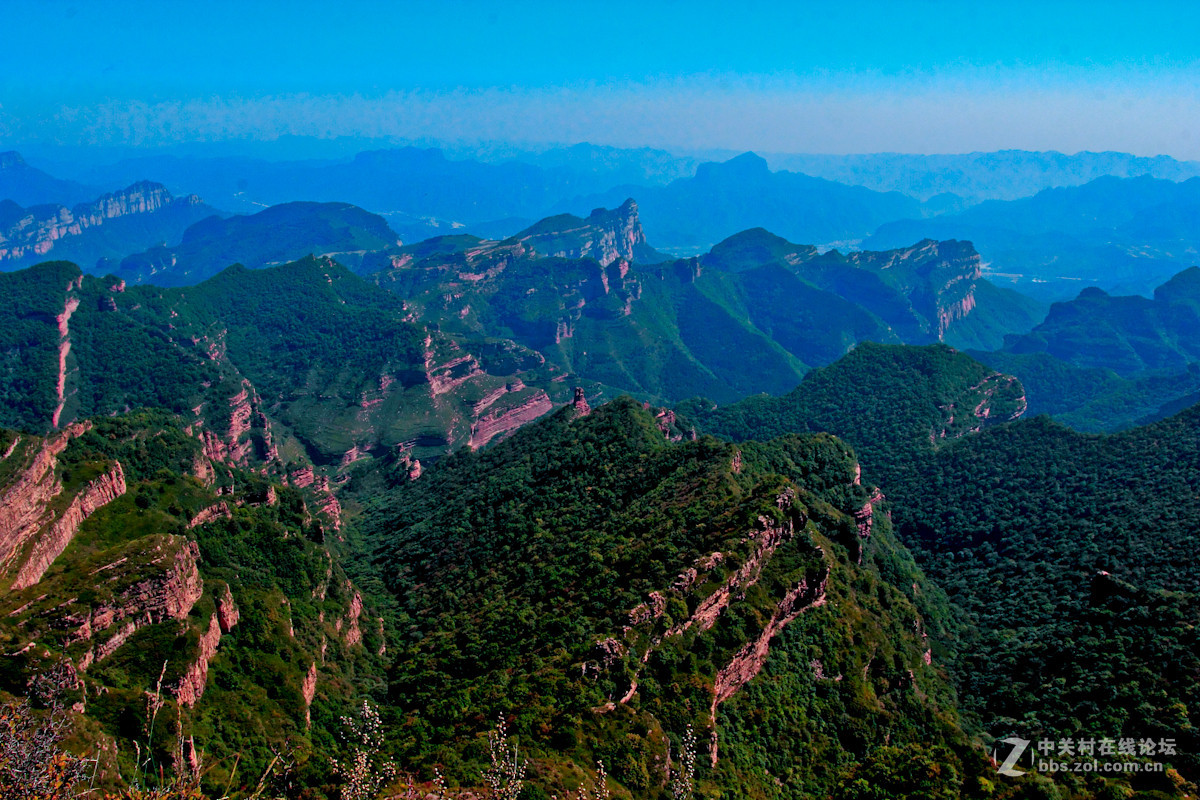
x=36, y=230
x=605, y=235
x=171, y=587
x=768, y=536
x=49, y=545
x=194, y=680
x=24, y=502
x=938, y=278
x=309, y=692
x=500, y=423
x=35, y=526
x=64, y=349
x=248, y=433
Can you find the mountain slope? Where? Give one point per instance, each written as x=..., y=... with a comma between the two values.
x=1102, y=362
x=290, y=366
x=751, y=315
x=608, y=588
x=1069, y=558
x=26, y=185
x=215, y=600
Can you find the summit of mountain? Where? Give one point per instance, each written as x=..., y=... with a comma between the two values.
x=273, y=236
x=723, y=198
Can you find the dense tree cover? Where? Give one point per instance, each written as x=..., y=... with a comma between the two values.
x=29, y=301
x=1016, y=524
x=311, y=338
x=516, y=570
x=891, y=402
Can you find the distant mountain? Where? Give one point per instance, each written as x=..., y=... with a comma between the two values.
x=1121, y=234
x=1126, y=334
x=140, y=216
x=279, y=234
x=974, y=177
x=752, y=315
x=614, y=166
x=724, y=198
x=1103, y=362
x=421, y=191
x=25, y=185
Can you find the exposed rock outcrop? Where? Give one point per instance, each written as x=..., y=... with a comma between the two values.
x=194, y=680
x=50, y=544
x=35, y=231
x=353, y=632
x=24, y=502
x=499, y=423
x=768, y=536
x=605, y=235
x=248, y=432
x=64, y=349
x=170, y=588
x=309, y=692
x=215, y=511
x=580, y=403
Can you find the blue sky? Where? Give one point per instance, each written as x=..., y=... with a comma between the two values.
x=798, y=77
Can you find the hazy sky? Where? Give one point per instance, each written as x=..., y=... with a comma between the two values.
x=830, y=77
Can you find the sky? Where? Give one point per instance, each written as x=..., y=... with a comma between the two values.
x=804, y=77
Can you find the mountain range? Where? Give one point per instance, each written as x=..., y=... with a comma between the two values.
x=140, y=216
x=284, y=499
x=1123, y=235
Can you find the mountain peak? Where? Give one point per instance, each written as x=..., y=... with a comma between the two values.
x=744, y=167
x=11, y=159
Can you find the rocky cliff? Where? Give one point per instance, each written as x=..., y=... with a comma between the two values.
x=26, y=498
x=190, y=687
x=937, y=278
x=35, y=231
x=605, y=235
x=36, y=521
x=154, y=580
x=50, y=544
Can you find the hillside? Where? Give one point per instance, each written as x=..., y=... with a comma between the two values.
x=217, y=603
x=290, y=366
x=751, y=315
x=1068, y=558
x=1102, y=362
x=605, y=588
